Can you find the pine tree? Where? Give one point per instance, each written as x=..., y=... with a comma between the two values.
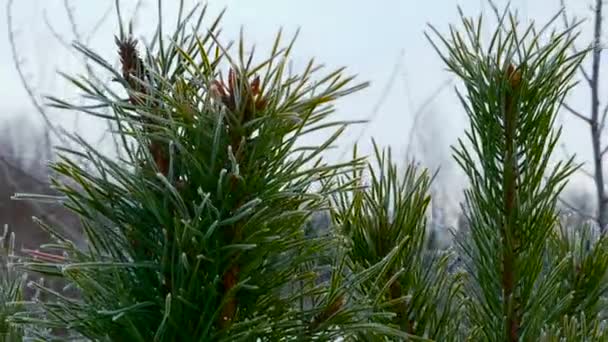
x=527, y=280
x=385, y=219
x=198, y=233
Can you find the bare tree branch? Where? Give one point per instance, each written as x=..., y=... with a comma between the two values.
x=99, y=23
x=135, y=14
x=376, y=109
x=569, y=155
x=596, y=120
x=603, y=121
x=54, y=32
x=595, y=132
x=576, y=113
x=575, y=209
x=568, y=24
x=421, y=109
x=78, y=39
x=56, y=130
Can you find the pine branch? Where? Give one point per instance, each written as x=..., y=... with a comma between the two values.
x=512, y=87
x=203, y=220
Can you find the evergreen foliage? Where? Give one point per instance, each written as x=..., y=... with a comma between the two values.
x=208, y=228
x=12, y=282
x=387, y=219
x=520, y=286
x=198, y=234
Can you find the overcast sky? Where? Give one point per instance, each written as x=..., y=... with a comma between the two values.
x=368, y=37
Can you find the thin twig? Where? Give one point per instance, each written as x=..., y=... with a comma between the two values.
x=576, y=113
x=79, y=40
x=54, y=32
x=574, y=49
x=99, y=23
x=603, y=121
x=376, y=109
x=135, y=14
x=78, y=37
x=575, y=209
x=57, y=131
x=421, y=109
x=569, y=155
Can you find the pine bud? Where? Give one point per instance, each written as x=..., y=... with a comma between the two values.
x=514, y=76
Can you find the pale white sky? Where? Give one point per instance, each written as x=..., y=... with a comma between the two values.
x=369, y=37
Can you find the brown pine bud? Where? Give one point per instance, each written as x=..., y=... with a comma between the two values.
x=255, y=86
x=329, y=311
x=133, y=69
x=161, y=159
x=514, y=75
